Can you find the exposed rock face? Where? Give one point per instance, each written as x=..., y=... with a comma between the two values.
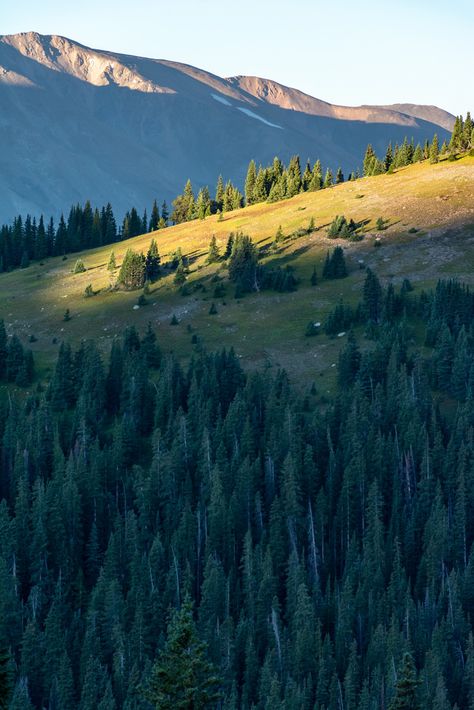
x=78, y=123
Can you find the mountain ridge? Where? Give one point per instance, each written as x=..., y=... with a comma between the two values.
x=82, y=123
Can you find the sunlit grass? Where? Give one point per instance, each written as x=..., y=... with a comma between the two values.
x=266, y=328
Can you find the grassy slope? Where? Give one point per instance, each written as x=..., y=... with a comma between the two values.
x=266, y=328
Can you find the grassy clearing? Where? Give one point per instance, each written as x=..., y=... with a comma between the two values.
x=267, y=328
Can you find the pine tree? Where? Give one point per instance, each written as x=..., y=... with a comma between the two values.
x=155, y=218
x=243, y=264
x=339, y=176
x=369, y=160
x=213, y=254
x=467, y=132
x=112, y=265
x=132, y=271
x=434, y=150
x=5, y=679
x=180, y=274
x=250, y=182
x=455, y=144
x=219, y=199
x=152, y=262
x=406, y=687
x=328, y=179
x=372, y=301
x=316, y=182
x=182, y=678
x=388, y=158
x=164, y=216
x=418, y=154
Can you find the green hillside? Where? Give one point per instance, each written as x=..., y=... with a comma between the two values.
x=428, y=211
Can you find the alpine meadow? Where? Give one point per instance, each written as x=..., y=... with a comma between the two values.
x=236, y=390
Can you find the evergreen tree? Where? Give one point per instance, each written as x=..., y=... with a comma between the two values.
x=369, y=160
x=213, y=254
x=182, y=677
x=372, y=301
x=328, y=179
x=112, y=265
x=152, y=262
x=434, y=150
x=5, y=680
x=243, y=264
x=132, y=271
x=406, y=686
x=154, y=218
x=250, y=182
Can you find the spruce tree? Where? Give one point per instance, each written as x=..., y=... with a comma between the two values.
x=434, y=150
x=155, y=218
x=213, y=254
x=369, y=160
x=132, y=271
x=328, y=178
x=182, y=677
x=406, y=686
x=5, y=679
x=152, y=262
x=112, y=265
x=250, y=182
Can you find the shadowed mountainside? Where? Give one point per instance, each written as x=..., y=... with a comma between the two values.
x=79, y=123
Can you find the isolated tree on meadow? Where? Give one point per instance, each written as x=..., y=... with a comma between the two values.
x=213, y=254
x=112, y=265
x=243, y=264
x=132, y=271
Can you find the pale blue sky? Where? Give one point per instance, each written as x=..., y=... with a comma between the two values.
x=343, y=51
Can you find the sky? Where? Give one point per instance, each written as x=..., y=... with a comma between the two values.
x=348, y=52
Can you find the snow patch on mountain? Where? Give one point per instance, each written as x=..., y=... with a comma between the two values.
x=251, y=114
x=221, y=99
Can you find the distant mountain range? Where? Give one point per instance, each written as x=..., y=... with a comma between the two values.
x=78, y=123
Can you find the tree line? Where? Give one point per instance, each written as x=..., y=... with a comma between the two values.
x=461, y=141
x=27, y=239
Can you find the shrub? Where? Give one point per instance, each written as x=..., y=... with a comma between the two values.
x=89, y=291
x=79, y=267
x=312, y=329
x=174, y=320
x=341, y=228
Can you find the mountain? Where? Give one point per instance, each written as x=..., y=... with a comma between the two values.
x=79, y=123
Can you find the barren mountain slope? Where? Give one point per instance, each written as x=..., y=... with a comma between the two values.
x=78, y=123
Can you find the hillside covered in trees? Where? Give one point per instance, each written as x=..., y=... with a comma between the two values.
x=181, y=528
x=321, y=555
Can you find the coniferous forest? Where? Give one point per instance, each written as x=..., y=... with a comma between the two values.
x=201, y=537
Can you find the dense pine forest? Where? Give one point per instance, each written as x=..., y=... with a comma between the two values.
x=201, y=537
